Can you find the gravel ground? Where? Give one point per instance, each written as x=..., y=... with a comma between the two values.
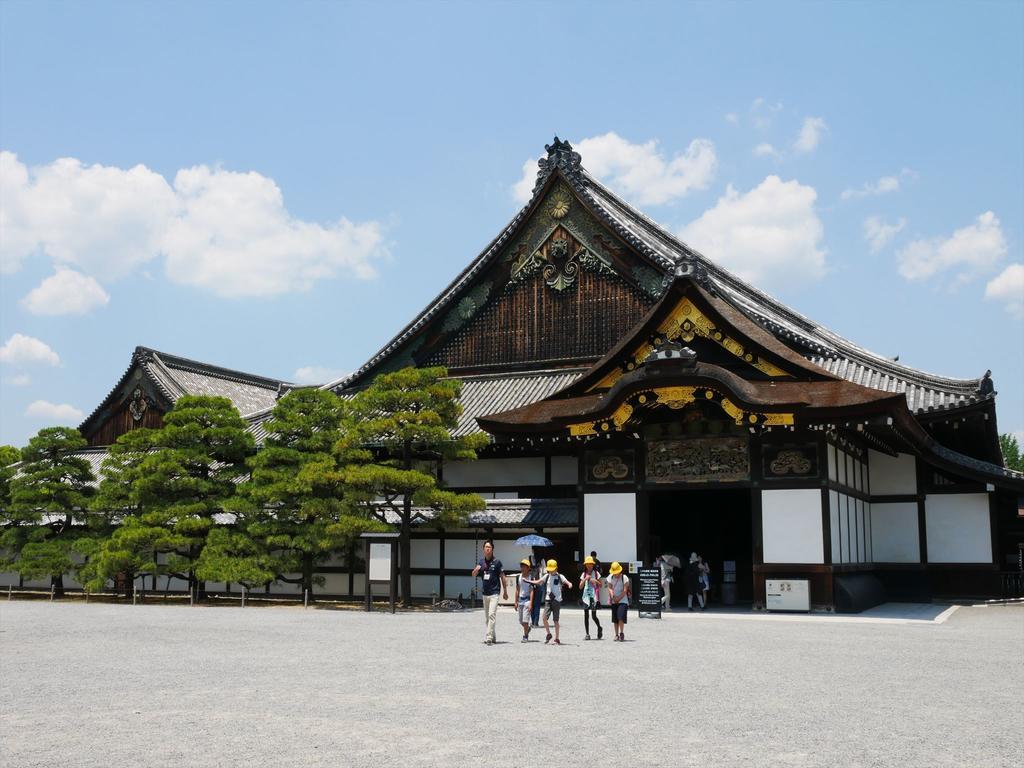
x=114, y=685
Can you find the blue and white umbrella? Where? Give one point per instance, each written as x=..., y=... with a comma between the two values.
x=533, y=540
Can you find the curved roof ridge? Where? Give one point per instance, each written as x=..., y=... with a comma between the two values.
x=746, y=290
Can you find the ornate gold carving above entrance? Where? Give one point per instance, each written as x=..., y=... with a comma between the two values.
x=685, y=322
x=675, y=398
x=698, y=460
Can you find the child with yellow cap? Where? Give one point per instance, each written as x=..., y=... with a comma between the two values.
x=590, y=588
x=555, y=581
x=620, y=591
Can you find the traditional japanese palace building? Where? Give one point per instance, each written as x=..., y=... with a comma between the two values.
x=642, y=399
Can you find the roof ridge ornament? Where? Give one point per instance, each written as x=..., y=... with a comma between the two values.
x=562, y=157
x=697, y=272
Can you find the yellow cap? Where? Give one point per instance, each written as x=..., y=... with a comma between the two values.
x=615, y=569
x=589, y=560
x=552, y=566
x=525, y=562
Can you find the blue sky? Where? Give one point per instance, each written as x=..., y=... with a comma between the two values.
x=279, y=188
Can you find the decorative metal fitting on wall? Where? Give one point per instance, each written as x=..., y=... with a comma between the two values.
x=562, y=267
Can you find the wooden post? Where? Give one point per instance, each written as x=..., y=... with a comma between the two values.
x=9, y=588
x=191, y=597
x=305, y=599
x=394, y=575
x=87, y=595
x=52, y=588
x=243, y=596
x=135, y=593
x=366, y=567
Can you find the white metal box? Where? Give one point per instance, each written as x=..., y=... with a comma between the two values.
x=787, y=595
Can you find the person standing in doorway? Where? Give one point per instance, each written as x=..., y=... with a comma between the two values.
x=691, y=580
x=705, y=579
x=524, y=599
x=665, y=576
x=590, y=589
x=620, y=591
x=554, y=581
x=489, y=569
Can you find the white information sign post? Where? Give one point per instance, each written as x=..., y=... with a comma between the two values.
x=381, y=556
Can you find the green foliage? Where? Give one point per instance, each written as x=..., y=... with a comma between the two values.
x=400, y=420
x=289, y=512
x=48, y=496
x=168, y=484
x=9, y=455
x=1012, y=457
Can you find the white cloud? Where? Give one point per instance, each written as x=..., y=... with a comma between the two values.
x=316, y=374
x=879, y=233
x=18, y=380
x=1008, y=287
x=65, y=293
x=732, y=117
x=811, y=133
x=26, y=350
x=971, y=249
x=639, y=172
x=765, y=149
x=104, y=220
x=763, y=111
x=55, y=413
x=883, y=186
x=770, y=235
x=225, y=232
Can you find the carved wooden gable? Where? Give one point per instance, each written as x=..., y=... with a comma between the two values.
x=135, y=404
x=564, y=290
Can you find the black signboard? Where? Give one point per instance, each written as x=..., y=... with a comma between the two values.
x=648, y=601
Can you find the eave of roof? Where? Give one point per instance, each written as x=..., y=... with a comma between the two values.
x=666, y=251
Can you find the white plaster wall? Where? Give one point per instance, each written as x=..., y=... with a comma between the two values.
x=425, y=553
x=334, y=584
x=609, y=525
x=455, y=585
x=283, y=588
x=564, y=470
x=894, y=536
x=485, y=473
x=425, y=586
x=791, y=526
x=832, y=462
x=461, y=553
x=957, y=528
x=892, y=474
x=833, y=507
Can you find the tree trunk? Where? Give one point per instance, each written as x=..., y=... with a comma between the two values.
x=405, y=535
x=307, y=572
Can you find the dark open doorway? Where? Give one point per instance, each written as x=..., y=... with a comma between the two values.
x=716, y=524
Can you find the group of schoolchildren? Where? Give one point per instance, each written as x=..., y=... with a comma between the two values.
x=550, y=587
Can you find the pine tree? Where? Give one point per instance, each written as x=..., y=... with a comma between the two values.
x=394, y=429
x=290, y=510
x=133, y=542
x=1012, y=457
x=49, y=499
x=187, y=479
x=9, y=456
